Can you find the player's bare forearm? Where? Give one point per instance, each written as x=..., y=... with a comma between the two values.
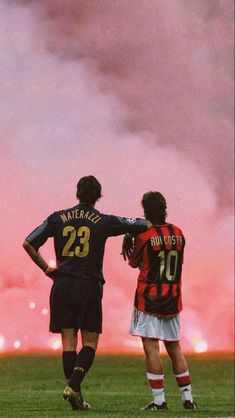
x=36, y=257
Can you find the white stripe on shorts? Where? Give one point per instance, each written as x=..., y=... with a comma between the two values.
x=145, y=325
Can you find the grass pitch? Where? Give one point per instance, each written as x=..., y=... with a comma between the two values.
x=116, y=386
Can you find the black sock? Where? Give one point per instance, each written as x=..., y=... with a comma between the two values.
x=83, y=363
x=68, y=358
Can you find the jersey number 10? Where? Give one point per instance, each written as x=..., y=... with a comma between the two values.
x=168, y=264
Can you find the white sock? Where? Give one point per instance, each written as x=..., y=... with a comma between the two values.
x=184, y=383
x=156, y=382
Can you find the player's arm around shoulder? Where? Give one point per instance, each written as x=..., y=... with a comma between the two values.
x=132, y=248
x=130, y=242
x=117, y=225
x=127, y=246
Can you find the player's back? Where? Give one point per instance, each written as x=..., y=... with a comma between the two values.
x=159, y=255
x=79, y=236
x=165, y=248
x=79, y=241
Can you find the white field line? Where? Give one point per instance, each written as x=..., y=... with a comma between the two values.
x=113, y=393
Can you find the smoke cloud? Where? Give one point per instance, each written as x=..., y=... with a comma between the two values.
x=137, y=94
x=170, y=64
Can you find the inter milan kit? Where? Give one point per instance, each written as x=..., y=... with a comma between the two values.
x=80, y=234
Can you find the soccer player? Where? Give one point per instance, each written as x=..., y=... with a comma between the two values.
x=79, y=236
x=158, y=253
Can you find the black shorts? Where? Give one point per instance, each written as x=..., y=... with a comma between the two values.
x=76, y=304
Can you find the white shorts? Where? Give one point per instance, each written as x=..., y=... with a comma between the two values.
x=150, y=326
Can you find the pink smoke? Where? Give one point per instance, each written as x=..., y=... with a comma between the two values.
x=139, y=97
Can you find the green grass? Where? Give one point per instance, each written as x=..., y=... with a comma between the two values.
x=31, y=386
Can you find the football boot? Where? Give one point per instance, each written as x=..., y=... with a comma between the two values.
x=190, y=405
x=155, y=407
x=75, y=399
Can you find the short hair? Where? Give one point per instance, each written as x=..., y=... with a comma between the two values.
x=88, y=190
x=154, y=205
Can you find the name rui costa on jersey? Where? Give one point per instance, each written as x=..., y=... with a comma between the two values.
x=166, y=239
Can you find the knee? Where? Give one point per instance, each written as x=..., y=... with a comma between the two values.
x=69, y=342
x=173, y=349
x=91, y=344
x=69, y=345
x=90, y=339
x=150, y=346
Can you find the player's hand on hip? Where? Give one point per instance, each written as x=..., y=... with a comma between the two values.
x=49, y=271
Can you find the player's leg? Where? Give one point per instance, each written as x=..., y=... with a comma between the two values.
x=154, y=373
x=69, y=344
x=61, y=320
x=181, y=372
x=88, y=315
x=84, y=358
x=179, y=363
x=82, y=364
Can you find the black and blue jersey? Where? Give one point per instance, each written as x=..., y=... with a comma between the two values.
x=79, y=236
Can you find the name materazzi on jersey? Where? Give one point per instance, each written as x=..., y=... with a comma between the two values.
x=166, y=239
x=82, y=214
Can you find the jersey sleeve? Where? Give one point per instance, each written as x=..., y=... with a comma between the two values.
x=40, y=235
x=136, y=256
x=117, y=225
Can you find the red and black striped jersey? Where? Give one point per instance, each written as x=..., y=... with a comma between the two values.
x=158, y=253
